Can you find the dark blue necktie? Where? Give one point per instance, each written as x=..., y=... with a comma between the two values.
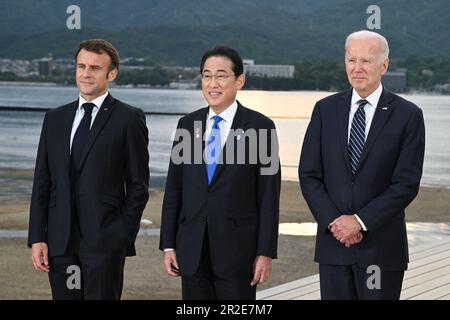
x=213, y=149
x=82, y=133
x=78, y=142
x=357, y=135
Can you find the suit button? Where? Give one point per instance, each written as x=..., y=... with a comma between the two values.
x=204, y=219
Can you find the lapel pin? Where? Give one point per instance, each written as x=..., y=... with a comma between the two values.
x=239, y=133
x=197, y=133
x=384, y=108
x=105, y=109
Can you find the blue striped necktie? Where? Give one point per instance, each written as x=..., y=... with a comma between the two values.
x=357, y=135
x=213, y=148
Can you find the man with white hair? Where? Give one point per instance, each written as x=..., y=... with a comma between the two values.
x=360, y=167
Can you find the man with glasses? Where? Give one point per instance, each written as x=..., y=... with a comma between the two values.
x=219, y=226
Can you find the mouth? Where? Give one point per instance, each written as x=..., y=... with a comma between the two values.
x=214, y=93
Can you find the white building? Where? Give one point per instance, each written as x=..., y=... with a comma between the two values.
x=268, y=70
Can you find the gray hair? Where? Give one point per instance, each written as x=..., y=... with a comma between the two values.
x=365, y=34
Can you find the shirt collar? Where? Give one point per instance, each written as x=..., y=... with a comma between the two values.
x=227, y=114
x=97, y=101
x=373, y=98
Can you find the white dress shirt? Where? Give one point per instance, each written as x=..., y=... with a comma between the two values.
x=225, y=125
x=80, y=113
x=369, y=109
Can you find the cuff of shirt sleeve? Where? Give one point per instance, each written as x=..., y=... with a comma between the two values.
x=363, y=226
x=169, y=249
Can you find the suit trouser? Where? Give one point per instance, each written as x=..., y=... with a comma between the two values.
x=351, y=282
x=206, y=285
x=82, y=275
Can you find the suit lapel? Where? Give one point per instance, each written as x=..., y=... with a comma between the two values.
x=380, y=117
x=200, y=128
x=239, y=122
x=68, y=122
x=100, y=120
x=343, y=111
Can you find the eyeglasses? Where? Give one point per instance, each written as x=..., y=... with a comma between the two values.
x=220, y=78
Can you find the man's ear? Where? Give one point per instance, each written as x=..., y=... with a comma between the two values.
x=384, y=66
x=240, y=81
x=112, y=75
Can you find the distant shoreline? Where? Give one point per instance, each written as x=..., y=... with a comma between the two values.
x=30, y=84
x=143, y=86
x=41, y=109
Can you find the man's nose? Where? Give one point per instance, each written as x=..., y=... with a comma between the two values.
x=213, y=83
x=358, y=66
x=86, y=73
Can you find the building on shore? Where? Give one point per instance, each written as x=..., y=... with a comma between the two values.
x=184, y=84
x=396, y=80
x=268, y=70
x=45, y=66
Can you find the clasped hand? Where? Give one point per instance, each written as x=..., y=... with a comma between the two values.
x=347, y=230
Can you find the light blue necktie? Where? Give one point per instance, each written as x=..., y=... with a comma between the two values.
x=357, y=135
x=213, y=149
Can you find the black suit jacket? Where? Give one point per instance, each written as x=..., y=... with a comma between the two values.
x=112, y=188
x=386, y=181
x=240, y=208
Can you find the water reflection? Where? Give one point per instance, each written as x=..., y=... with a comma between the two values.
x=19, y=131
x=418, y=232
x=426, y=232
x=298, y=229
x=282, y=103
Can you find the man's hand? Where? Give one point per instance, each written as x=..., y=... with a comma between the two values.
x=262, y=268
x=39, y=256
x=354, y=240
x=171, y=263
x=345, y=227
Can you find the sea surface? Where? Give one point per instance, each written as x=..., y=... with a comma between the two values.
x=19, y=131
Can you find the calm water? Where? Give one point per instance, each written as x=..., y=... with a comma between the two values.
x=19, y=131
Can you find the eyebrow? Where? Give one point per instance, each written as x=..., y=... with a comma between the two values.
x=220, y=70
x=91, y=66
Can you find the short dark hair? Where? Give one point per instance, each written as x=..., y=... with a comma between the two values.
x=227, y=52
x=100, y=46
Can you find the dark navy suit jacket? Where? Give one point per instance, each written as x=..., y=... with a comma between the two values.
x=239, y=209
x=112, y=187
x=386, y=181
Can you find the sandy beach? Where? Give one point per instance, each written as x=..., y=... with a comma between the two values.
x=144, y=275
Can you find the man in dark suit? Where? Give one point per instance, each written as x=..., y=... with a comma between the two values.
x=90, y=184
x=360, y=167
x=219, y=225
